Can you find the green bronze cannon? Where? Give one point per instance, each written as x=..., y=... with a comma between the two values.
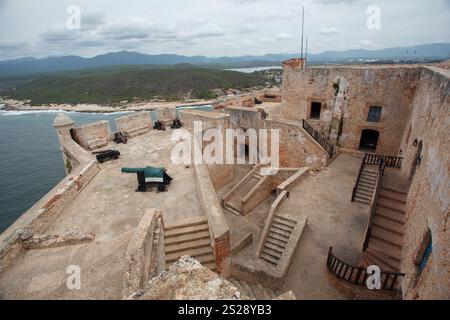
x=150, y=176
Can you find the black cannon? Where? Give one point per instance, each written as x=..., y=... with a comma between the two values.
x=119, y=137
x=106, y=155
x=150, y=176
x=176, y=124
x=159, y=126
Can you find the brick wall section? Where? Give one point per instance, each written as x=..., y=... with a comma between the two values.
x=346, y=94
x=428, y=203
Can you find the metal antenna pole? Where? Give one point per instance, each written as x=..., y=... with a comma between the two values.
x=303, y=27
x=306, y=52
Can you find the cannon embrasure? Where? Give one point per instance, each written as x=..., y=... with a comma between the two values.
x=150, y=176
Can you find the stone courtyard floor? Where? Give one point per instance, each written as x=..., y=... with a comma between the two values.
x=110, y=208
x=333, y=220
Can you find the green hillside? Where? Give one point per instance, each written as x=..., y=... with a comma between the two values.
x=115, y=84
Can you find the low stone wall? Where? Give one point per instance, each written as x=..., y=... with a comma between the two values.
x=248, y=118
x=218, y=226
x=135, y=124
x=209, y=119
x=44, y=212
x=166, y=115
x=93, y=135
x=145, y=256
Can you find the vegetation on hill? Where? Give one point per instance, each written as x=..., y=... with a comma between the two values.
x=115, y=84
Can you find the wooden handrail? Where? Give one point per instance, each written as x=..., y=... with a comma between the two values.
x=358, y=275
x=319, y=138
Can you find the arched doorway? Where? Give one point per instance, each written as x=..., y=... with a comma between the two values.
x=369, y=140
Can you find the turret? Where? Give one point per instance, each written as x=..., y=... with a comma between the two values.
x=63, y=124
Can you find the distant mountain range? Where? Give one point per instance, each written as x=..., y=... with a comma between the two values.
x=428, y=52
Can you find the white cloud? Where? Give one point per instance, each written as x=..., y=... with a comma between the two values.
x=329, y=30
x=284, y=36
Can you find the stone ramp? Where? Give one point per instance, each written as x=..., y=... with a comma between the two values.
x=248, y=193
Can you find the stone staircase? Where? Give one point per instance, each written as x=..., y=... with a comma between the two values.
x=386, y=239
x=257, y=292
x=277, y=239
x=366, y=185
x=234, y=203
x=189, y=239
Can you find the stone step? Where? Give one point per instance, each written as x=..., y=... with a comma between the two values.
x=281, y=232
x=364, y=196
x=369, y=173
x=388, y=224
x=284, y=222
x=278, y=237
x=387, y=236
x=364, y=192
x=370, y=186
x=187, y=237
x=370, y=190
x=361, y=200
x=275, y=242
x=370, y=260
x=274, y=247
x=368, y=176
x=290, y=222
x=192, y=244
x=392, y=196
x=269, y=258
x=273, y=253
x=195, y=253
x=390, y=189
x=384, y=262
x=389, y=214
x=390, y=204
x=188, y=223
x=282, y=226
x=385, y=248
x=185, y=230
x=231, y=209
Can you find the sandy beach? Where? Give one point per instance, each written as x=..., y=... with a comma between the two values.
x=16, y=105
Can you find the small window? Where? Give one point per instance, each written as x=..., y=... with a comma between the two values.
x=315, y=110
x=374, y=114
x=426, y=253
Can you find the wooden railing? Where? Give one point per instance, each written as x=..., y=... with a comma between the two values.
x=390, y=161
x=373, y=204
x=376, y=159
x=319, y=138
x=358, y=275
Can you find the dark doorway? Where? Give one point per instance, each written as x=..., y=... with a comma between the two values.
x=369, y=140
x=315, y=110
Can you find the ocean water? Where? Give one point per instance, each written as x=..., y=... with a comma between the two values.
x=250, y=70
x=30, y=161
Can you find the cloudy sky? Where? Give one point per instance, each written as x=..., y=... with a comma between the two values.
x=216, y=27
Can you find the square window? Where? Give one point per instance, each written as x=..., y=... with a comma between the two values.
x=374, y=114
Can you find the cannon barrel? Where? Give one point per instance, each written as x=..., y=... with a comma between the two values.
x=132, y=170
